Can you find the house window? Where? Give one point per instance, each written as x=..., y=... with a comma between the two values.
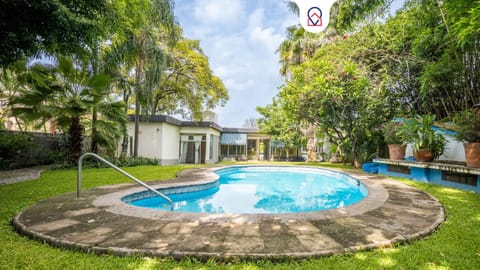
x=192, y=148
x=233, y=145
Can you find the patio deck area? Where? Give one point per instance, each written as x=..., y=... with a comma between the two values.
x=99, y=222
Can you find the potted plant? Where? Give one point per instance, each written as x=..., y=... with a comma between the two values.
x=427, y=144
x=467, y=125
x=394, y=139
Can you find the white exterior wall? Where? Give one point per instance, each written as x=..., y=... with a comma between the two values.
x=150, y=140
x=170, y=144
x=216, y=147
x=204, y=131
x=454, y=150
x=162, y=141
x=157, y=140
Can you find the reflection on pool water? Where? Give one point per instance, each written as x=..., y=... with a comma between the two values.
x=256, y=189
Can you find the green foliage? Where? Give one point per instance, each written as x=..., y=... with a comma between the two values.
x=348, y=13
x=63, y=26
x=123, y=161
x=417, y=62
x=467, y=28
x=453, y=246
x=188, y=86
x=68, y=93
x=419, y=131
x=392, y=133
x=417, y=56
x=467, y=126
x=280, y=125
x=13, y=147
x=333, y=93
x=135, y=161
x=148, y=27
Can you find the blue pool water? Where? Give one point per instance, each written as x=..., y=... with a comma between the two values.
x=267, y=190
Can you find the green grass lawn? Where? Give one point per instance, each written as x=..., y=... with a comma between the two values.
x=456, y=245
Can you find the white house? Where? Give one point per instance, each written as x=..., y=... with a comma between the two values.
x=173, y=141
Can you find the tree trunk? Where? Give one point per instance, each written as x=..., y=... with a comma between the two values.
x=75, y=141
x=138, y=78
x=126, y=97
x=137, y=127
x=94, y=143
x=311, y=151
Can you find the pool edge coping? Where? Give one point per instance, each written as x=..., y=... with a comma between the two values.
x=113, y=203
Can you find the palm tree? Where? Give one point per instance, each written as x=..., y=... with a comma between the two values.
x=103, y=107
x=123, y=85
x=299, y=46
x=68, y=94
x=9, y=86
x=142, y=48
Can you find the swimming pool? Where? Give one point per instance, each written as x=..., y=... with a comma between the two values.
x=262, y=189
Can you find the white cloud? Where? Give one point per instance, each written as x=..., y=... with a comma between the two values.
x=266, y=37
x=240, y=38
x=256, y=18
x=259, y=34
x=219, y=12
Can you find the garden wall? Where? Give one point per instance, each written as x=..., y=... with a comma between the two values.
x=24, y=149
x=453, y=150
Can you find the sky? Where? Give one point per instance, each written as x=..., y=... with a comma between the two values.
x=240, y=38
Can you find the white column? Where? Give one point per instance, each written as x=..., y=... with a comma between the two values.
x=198, y=142
x=183, y=140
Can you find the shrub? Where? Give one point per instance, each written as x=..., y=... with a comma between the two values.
x=419, y=131
x=13, y=149
x=467, y=126
x=392, y=133
x=120, y=162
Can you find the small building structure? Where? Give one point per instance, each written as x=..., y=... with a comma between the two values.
x=174, y=141
x=244, y=144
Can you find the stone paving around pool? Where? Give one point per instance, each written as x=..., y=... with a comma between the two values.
x=99, y=222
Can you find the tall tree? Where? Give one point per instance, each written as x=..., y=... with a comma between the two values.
x=123, y=85
x=10, y=86
x=188, y=86
x=333, y=93
x=147, y=29
x=29, y=26
x=421, y=57
x=280, y=123
x=299, y=47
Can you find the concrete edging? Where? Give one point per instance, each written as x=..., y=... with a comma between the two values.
x=397, y=213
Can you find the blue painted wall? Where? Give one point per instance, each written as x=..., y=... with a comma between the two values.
x=428, y=175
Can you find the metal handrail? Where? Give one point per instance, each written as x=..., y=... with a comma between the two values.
x=79, y=177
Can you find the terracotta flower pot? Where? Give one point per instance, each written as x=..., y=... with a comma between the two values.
x=423, y=155
x=396, y=151
x=472, y=154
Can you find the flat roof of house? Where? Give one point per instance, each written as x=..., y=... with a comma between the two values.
x=180, y=123
x=240, y=130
